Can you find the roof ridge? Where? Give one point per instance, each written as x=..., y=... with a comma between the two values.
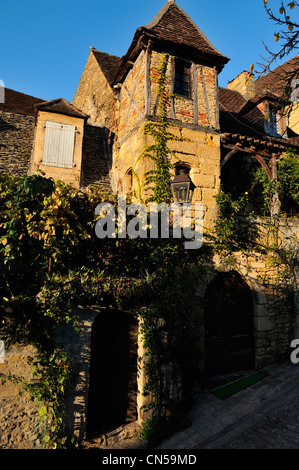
x=276, y=68
x=22, y=93
x=68, y=105
x=165, y=8
x=93, y=49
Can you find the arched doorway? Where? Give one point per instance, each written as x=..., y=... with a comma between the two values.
x=229, y=330
x=112, y=398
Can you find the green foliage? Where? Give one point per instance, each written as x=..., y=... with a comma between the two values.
x=63, y=264
x=287, y=185
x=53, y=369
x=155, y=429
x=234, y=229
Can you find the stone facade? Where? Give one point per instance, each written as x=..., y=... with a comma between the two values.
x=20, y=426
x=94, y=95
x=16, y=142
x=195, y=119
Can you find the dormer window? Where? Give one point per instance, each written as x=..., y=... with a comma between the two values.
x=182, y=78
x=274, y=121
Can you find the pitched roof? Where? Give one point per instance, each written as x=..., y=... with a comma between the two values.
x=233, y=123
x=172, y=24
x=172, y=29
x=241, y=119
x=61, y=106
x=19, y=103
x=108, y=63
x=276, y=80
x=231, y=100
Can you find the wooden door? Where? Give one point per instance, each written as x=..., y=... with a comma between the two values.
x=228, y=316
x=112, y=399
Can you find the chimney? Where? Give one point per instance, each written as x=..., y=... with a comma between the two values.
x=244, y=84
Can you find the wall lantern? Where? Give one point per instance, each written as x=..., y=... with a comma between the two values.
x=182, y=187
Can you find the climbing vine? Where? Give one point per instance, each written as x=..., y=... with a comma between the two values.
x=287, y=185
x=51, y=261
x=158, y=179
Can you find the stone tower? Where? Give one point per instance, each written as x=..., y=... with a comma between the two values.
x=192, y=81
x=130, y=100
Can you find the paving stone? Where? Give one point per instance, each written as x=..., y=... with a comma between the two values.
x=263, y=416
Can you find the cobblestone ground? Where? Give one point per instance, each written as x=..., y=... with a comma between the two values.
x=263, y=416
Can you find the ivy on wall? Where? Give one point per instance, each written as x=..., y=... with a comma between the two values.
x=51, y=261
x=287, y=185
x=157, y=181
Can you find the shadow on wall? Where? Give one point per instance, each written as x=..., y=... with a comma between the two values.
x=103, y=391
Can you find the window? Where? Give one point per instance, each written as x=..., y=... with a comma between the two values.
x=182, y=78
x=274, y=122
x=129, y=180
x=59, y=145
x=271, y=123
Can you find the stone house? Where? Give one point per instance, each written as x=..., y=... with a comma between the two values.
x=229, y=132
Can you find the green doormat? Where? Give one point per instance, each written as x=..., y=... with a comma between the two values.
x=225, y=392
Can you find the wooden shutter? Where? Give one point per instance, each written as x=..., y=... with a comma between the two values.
x=59, y=145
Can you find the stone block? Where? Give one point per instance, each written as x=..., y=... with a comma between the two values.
x=263, y=323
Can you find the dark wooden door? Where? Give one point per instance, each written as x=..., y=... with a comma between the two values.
x=229, y=337
x=112, y=399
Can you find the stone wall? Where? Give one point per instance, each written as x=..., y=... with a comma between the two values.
x=16, y=143
x=274, y=292
x=96, y=157
x=20, y=427
x=94, y=95
x=132, y=99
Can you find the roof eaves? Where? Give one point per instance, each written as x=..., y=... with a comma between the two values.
x=162, y=12
x=69, y=109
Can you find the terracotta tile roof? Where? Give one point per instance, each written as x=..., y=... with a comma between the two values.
x=61, y=106
x=276, y=80
x=231, y=100
x=172, y=24
x=19, y=103
x=108, y=63
x=242, y=118
x=234, y=123
x=172, y=30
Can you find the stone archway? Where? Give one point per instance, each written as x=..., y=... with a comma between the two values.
x=112, y=396
x=229, y=324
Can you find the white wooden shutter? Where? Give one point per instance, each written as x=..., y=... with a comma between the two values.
x=59, y=145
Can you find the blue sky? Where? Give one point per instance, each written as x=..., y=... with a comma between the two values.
x=44, y=45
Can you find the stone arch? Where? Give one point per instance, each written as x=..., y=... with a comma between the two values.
x=228, y=324
x=263, y=321
x=182, y=165
x=129, y=180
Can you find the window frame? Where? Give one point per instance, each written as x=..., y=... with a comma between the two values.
x=179, y=66
x=274, y=125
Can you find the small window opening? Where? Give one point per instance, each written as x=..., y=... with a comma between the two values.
x=182, y=78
